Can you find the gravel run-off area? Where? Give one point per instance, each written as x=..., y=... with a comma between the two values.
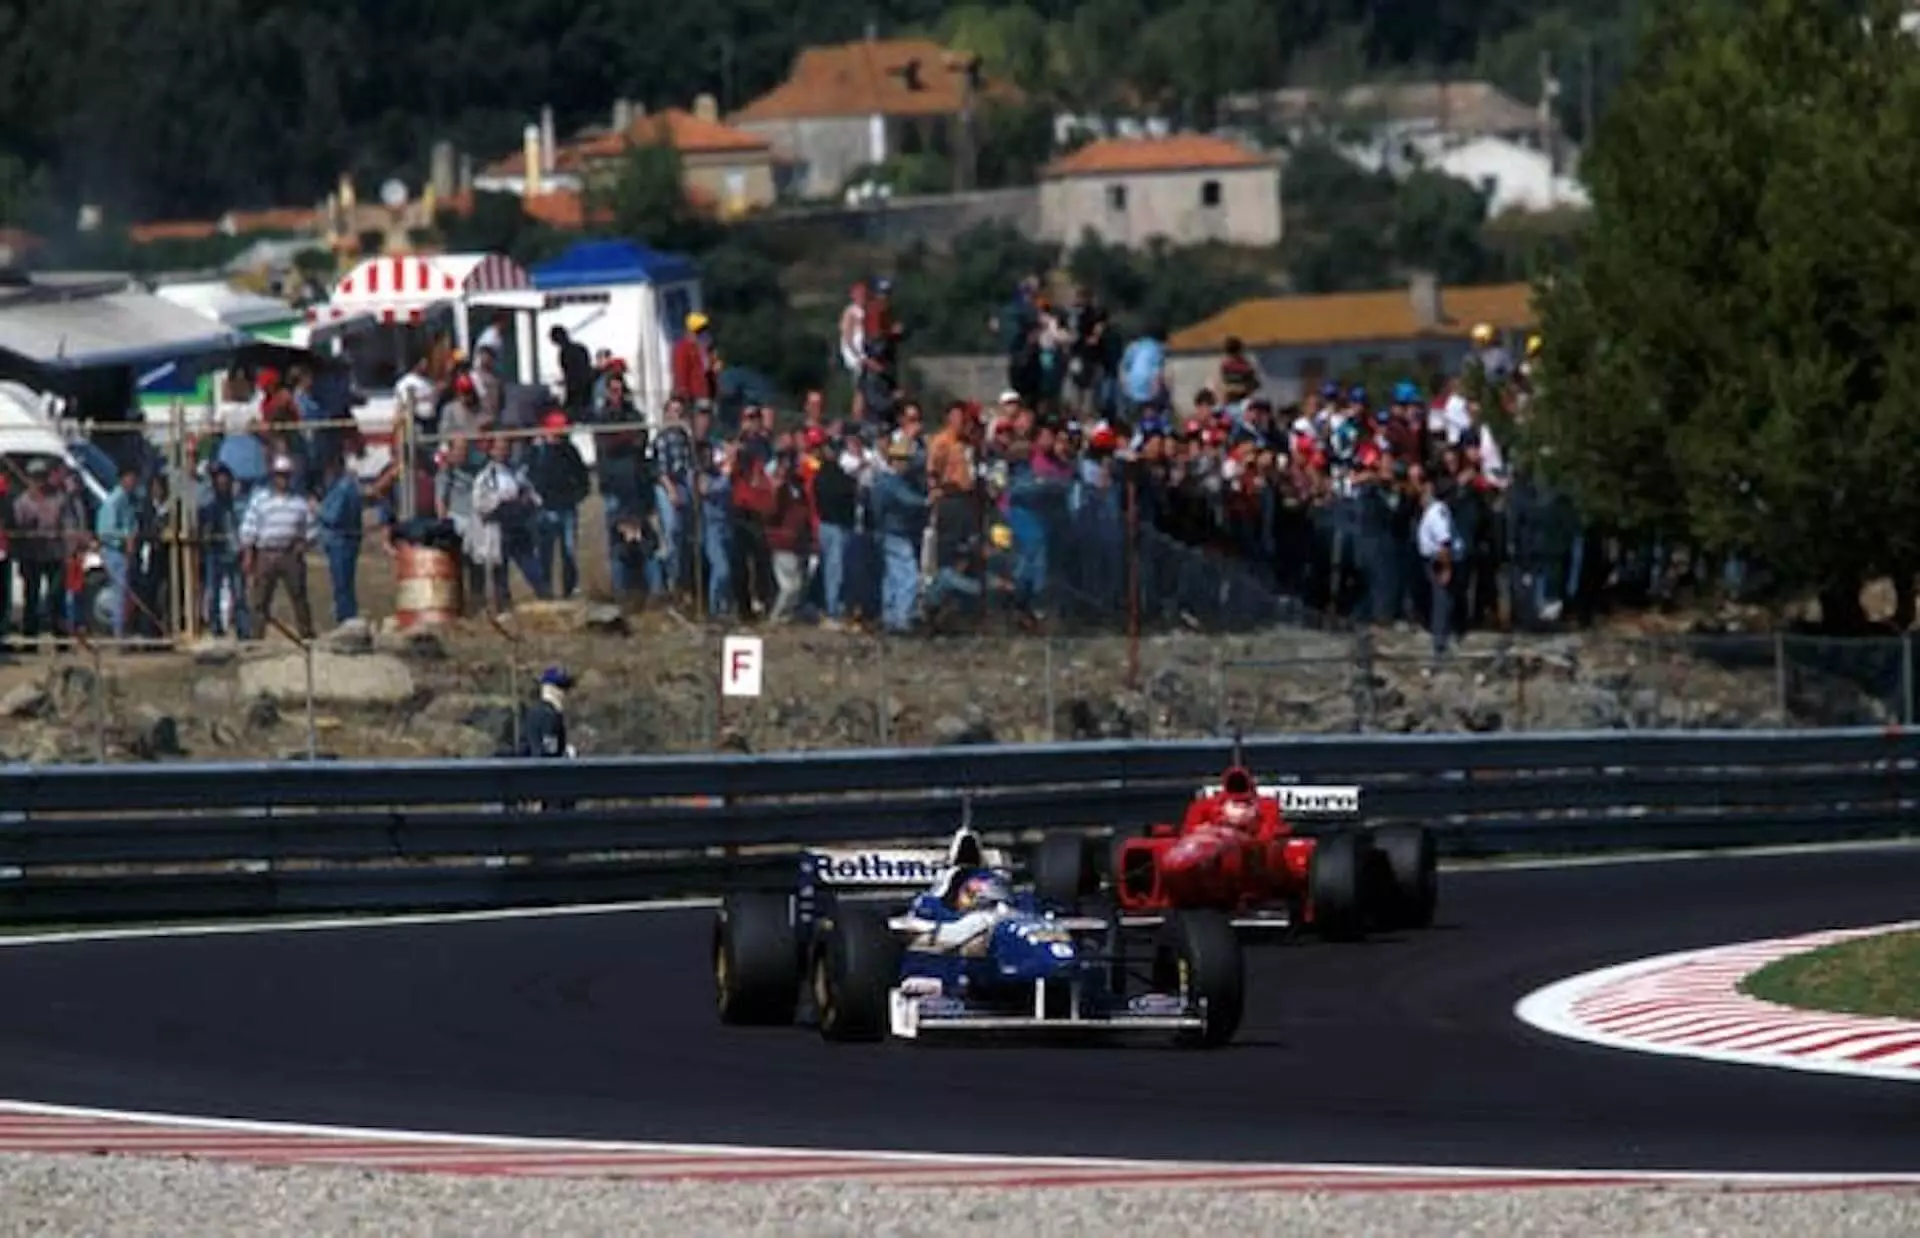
x=125, y=1196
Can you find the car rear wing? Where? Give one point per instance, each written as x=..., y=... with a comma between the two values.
x=885, y=868
x=1301, y=800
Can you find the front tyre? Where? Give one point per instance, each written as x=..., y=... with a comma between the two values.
x=1063, y=870
x=756, y=960
x=1199, y=957
x=853, y=973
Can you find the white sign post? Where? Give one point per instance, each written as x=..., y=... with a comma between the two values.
x=742, y=665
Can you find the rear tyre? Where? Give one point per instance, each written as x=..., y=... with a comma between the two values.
x=756, y=960
x=1064, y=871
x=852, y=974
x=1199, y=957
x=1408, y=881
x=1335, y=886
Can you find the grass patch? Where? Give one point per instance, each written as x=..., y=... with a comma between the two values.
x=1873, y=975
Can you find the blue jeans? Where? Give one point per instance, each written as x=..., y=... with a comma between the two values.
x=716, y=543
x=616, y=566
x=559, y=527
x=899, y=581
x=663, y=573
x=1439, y=609
x=343, y=565
x=222, y=571
x=834, y=542
x=120, y=582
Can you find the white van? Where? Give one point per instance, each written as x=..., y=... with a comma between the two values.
x=28, y=432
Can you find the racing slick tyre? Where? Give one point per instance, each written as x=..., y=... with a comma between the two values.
x=1336, y=885
x=756, y=960
x=1406, y=877
x=1199, y=957
x=853, y=972
x=1064, y=870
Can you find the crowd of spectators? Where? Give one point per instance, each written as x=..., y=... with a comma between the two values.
x=885, y=514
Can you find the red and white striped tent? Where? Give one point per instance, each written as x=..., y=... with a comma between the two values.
x=402, y=288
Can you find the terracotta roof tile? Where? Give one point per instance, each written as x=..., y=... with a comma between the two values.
x=173, y=230
x=1355, y=317
x=1176, y=153
x=564, y=210
x=273, y=219
x=869, y=77
x=685, y=132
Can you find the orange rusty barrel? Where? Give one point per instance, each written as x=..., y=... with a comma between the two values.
x=427, y=586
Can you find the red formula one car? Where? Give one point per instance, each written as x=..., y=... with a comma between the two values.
x=1236, y=851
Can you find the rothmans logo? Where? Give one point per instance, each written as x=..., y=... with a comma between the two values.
x=878, y=867
x=1297, y=800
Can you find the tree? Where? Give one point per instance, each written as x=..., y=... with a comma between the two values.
x=648, y=201
x=1732, y=356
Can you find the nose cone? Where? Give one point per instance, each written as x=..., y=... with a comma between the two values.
x=1023, y=951
x=1202, y=869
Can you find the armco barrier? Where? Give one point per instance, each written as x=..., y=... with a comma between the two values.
x=161, y=840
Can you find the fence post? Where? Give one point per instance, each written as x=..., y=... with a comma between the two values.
x=1906, y=679
x=1046, y=691
x=99, y=695
x=1780, y=675
x=306, y=650
x=513, y=677
x=885, y=711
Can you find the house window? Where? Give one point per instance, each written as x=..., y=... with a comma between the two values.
x=1116, y=197
x=1210, y=193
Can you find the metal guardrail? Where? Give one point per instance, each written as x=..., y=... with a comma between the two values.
x=93, y=842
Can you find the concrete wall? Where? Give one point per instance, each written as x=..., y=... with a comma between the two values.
x=1131, y=209
x=826, y=151
x=729, y=179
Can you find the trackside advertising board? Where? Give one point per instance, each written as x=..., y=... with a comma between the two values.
x=1301, y=800
x=866, y=866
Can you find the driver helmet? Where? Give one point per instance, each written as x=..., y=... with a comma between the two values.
x=980, y=889
x=1240, y=803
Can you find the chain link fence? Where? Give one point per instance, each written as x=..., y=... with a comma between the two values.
x=651, y=684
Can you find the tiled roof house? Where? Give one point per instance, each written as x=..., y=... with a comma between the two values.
x=853, y=105
x=1190, y=188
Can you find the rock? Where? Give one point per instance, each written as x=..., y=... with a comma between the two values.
x=415, y=644
x=353, y=637
x=214, y=651
x=74, y=689
x=949, y=731
x=216, y=693
x=262, y=714
x=152, y=735
x=605, y=620
x=28, y=700
x=367, y=680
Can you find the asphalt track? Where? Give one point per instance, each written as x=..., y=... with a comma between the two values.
x=601, y=1027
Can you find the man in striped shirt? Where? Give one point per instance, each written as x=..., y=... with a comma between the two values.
x=273, y=549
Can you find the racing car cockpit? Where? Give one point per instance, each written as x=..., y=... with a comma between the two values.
x=977, y=889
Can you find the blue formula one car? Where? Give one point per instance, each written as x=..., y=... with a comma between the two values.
x=967, y=956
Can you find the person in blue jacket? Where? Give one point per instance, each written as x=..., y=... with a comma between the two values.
x=544, y=734
x=900, y=514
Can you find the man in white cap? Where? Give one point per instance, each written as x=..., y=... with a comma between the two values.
x=273, y=549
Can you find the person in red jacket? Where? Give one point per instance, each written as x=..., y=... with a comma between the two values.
x=696, y=366
x=754, y=500
x=790, y=536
